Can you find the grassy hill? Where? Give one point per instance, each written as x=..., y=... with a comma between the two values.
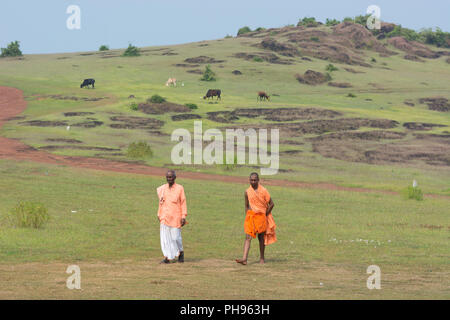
x=380, y=122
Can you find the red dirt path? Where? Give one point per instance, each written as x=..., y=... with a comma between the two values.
x=12, y=104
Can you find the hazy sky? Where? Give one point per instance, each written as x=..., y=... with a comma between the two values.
x=40, y=26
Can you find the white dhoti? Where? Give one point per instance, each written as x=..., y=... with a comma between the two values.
x=171, y=242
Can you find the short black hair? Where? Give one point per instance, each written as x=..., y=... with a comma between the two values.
x=173, y=172
x=254, y=174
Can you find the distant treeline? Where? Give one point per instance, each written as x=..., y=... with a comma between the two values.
x=437, y=37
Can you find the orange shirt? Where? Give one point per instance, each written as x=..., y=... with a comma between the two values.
x=172, y=205
x=258, y=199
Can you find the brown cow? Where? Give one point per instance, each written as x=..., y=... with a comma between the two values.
x=262, y=95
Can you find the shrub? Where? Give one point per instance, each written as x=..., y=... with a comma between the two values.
x=28, y=215
x=373, y=60
x=331, y=68
x=308, y=22
x=351, y=95
x=103, y=48
x=328, y=77
x=348, y=19
x=208, y=75
x=139, y=150
x=406, y=33
x=244, y=30
x=12, y=50
x=362, y=20
x=156, y=99
x=260, y=29
x=228, y=36
x=437, y=38
x=131, y=51
x=191, y=106
x=332, y=22
x=258, y=59
x=414, y=193
x=315, y=39
x=134, y=106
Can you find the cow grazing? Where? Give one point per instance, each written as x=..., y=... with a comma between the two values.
x=171, y=81
x=88, y=82
x=262, y=95
x=213, y=93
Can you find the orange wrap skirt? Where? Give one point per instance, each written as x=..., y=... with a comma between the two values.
x=255, y=223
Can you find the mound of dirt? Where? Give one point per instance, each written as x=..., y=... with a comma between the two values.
x=413, y=48
x=374, y=135
x=195, y=71
x=222, y=116
x=360, y=37
x=265, y=56
x=60, y=97
x=427, y=149
x=185, y=65
x=42, y=123
x=88, y=124
x=236, y=72
x=413, y=58
x=63, y=140
x=281, y=48
x=421, y=126
x=188, y=116
x=436, y=103
x=130, y=122
x=353, y=70
x=202, y=60
x=73, y=114
x=311, y=77
x=55, y=147
x=340, y=84
x=409, y=103
x=160, y=108
x=287, y=114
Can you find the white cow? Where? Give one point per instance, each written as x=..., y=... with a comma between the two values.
x=171, y=81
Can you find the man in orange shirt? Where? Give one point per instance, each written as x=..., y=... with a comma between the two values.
x=172, y=214
x=258, y=220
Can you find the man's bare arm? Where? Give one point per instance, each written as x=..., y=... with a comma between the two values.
x=270, y=207
x=247, y=204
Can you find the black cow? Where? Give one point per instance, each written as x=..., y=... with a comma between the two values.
x=213, y=93
x=87, y=82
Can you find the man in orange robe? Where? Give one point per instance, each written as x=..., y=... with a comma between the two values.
x=172, y=214
x=258, y=220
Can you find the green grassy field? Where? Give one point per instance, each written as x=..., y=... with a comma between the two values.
x=324, y=236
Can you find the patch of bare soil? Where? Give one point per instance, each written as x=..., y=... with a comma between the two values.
x=311, y=77
x=413, y=58
x=353, y=70
x=322, y=126
x=43, y=123
x=57, y=147
x=88, y=124
x=349, y=147
x=186, y=65
x=273, y=114
x=436, y=103
x=340, y=84
x=343, y=45
x=73, y=114
x=187, y=116
x=287, y=114
x=60, y=97
x=222, y=116
x=130, y=122
x=265, y=56
x=160, y=108
x=202, y=60
x=409, y=102
x=421, y=126
x=281, y=48
x=413, y=48
x=63, y=140
x=195, y=71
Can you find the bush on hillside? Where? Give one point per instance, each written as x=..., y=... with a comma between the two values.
x=103, y=48
x=156, y=99
x=208, y=75
x=131, y=51
x=12, y=50
x=244, y=30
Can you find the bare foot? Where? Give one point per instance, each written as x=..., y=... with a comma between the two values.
x=261, y=261
x=241, y=261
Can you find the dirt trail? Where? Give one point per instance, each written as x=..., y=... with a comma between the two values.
x=12, y=104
